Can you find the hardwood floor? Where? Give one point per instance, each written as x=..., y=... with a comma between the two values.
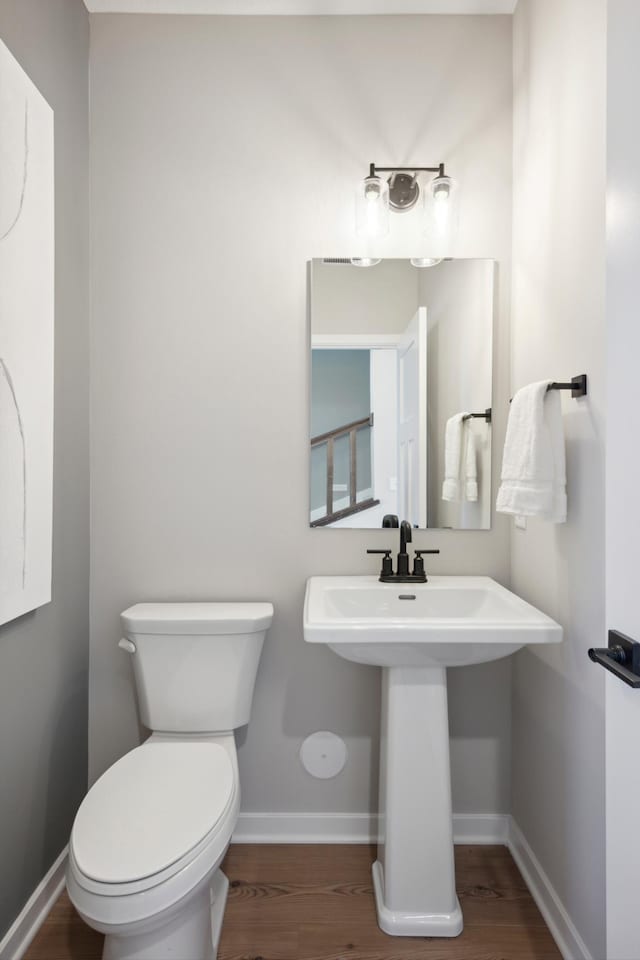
x=294, y=902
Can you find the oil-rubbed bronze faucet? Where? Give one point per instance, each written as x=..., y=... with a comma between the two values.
x=403, y=575
x=403, y=556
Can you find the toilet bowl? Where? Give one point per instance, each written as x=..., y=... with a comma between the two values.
x=149, y=837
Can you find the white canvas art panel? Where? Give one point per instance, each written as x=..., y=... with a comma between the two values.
x=26, y=341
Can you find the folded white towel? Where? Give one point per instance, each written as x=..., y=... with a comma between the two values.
x=470, y=466
x=453, y=456
x=533, y=462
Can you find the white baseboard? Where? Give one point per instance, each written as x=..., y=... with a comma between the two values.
x=306, y=828
x=18, y=938
x=481, y=828
x=563, y=930
x=354, y=828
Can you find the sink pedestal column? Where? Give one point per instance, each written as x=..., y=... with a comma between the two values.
x=414, y=876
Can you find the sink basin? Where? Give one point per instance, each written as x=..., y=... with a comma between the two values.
x=449, y=621
x=414, y=632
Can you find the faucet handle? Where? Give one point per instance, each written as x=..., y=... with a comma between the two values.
x=387, y=563
x=418, y=563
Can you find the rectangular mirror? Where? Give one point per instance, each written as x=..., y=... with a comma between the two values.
x=401, y=376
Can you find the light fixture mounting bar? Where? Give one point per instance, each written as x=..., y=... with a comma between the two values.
x=374, y=170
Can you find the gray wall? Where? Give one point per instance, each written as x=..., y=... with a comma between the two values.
x=224, y=156
x=558, y=331
x=44, y=655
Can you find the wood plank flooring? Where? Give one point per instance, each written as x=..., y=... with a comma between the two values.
x=295, y=902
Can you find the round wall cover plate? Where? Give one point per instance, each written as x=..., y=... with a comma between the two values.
x=323, y=754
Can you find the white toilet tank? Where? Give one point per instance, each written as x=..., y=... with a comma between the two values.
x=195, y=664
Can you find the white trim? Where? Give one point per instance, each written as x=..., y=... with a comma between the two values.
x=354, y=341
x=481, y=828
x=563, y=930
x=487, y=828
x=20, y=935
x=306, y=828
x=383, y=381
x=303, y=7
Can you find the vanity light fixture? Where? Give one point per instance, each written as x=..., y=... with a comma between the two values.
x=376, y=197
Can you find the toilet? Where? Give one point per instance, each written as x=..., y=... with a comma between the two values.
x=149, y=837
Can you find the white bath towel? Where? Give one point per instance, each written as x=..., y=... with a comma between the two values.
x=533, y=463
x=470, y=469
x=453, y=456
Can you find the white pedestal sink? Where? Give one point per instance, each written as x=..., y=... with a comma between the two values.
x=416, y=631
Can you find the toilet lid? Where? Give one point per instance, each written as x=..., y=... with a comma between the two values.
x=150, y=809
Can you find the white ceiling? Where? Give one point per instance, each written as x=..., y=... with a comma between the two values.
x=301, y=7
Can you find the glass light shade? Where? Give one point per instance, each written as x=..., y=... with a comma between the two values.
x=372, y=208
x=441, y=215
x=365, y=261
x=422, y=262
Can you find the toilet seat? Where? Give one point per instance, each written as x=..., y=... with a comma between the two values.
x=110, y=906
x=156, y=810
